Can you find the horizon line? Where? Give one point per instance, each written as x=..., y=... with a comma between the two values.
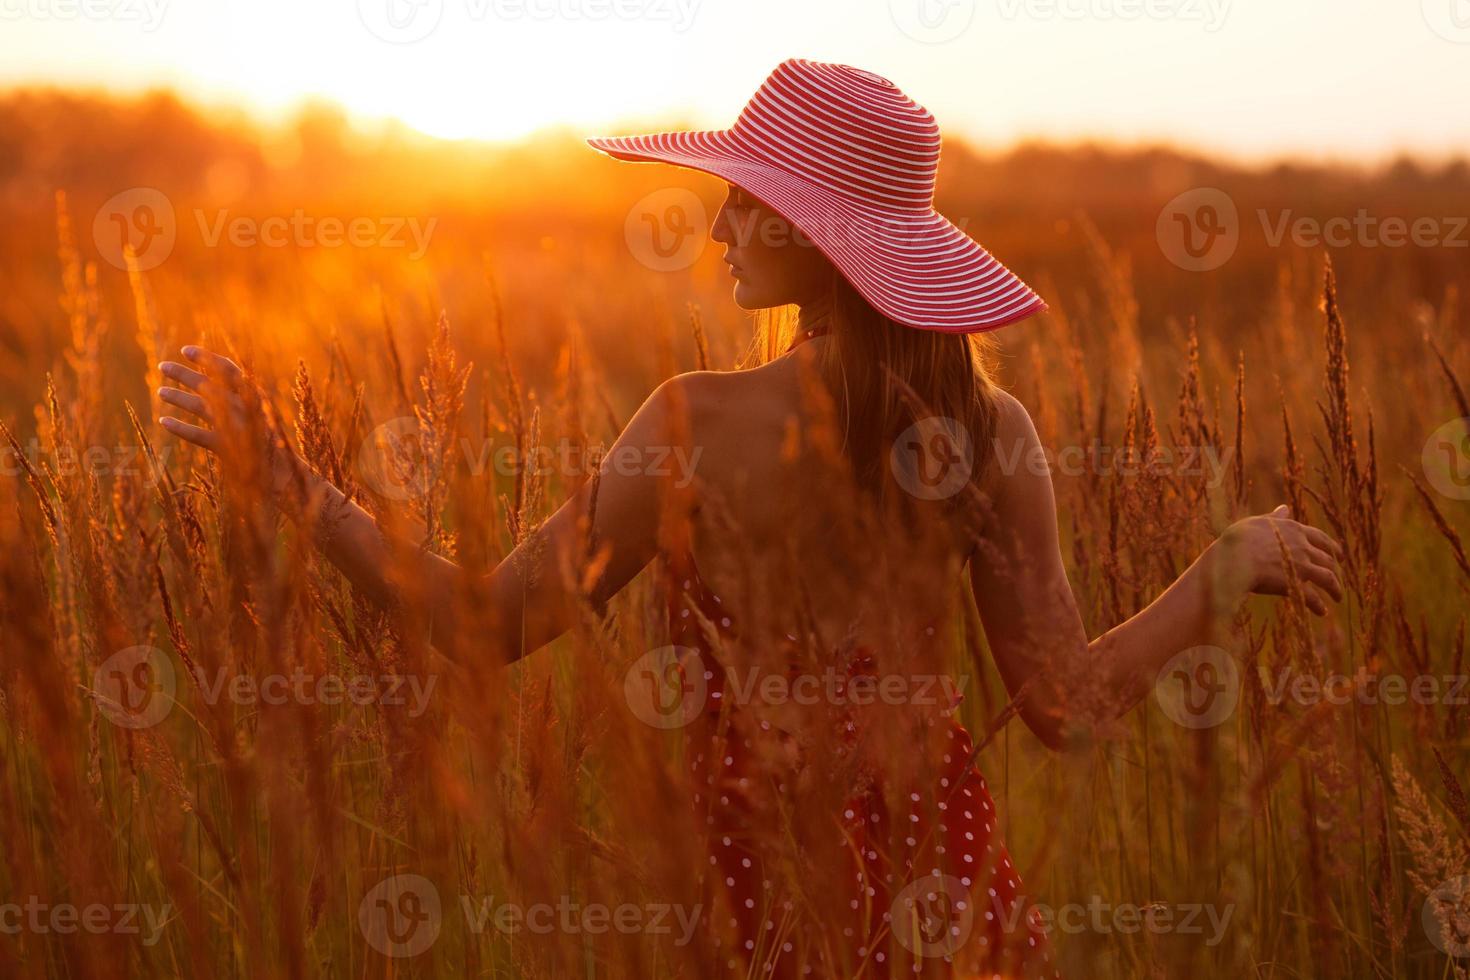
x=282, y=116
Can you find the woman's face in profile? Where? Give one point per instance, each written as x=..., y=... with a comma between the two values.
x=773, y=263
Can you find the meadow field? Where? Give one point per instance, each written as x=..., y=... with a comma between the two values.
x=1301, y=337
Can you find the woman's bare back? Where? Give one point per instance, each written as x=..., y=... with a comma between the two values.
x=777, y=528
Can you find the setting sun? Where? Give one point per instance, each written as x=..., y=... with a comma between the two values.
x=1246, y=78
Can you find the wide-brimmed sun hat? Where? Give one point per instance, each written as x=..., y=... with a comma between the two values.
x=850, y=160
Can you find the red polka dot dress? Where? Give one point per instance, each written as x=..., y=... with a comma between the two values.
x=932, y=891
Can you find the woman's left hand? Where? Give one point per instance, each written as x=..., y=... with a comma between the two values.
x=230, y=416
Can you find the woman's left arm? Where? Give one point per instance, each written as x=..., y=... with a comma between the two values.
x=531, y=595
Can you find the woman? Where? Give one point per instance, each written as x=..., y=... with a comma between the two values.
x=842, y=482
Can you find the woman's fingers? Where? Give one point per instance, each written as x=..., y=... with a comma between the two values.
x=220, y=366
x=188, y=401
x=1323, y=540
x=1319, y=581
x=1323, y=560
x=190, y=433
x=1323, y=578
x=185, y=376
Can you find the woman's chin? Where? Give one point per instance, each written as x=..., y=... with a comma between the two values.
x=751, y=299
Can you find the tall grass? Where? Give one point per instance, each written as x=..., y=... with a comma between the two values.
x=1319, y=828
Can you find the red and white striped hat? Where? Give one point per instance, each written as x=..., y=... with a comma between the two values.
x=850, y=161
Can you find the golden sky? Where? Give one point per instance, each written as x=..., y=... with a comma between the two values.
x=1360, y=79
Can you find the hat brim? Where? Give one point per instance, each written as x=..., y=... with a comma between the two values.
x=918, y=269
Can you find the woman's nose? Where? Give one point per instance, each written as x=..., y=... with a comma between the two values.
x=720, y=230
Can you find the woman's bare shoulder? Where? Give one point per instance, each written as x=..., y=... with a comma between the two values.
x=747, y=394
x=1015, y=447
x=1012, y=418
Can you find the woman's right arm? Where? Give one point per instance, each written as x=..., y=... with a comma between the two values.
x=1030, y=614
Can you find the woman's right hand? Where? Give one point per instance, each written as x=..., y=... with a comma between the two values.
x=1251, y=554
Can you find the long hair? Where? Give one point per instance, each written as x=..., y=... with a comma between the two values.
x=884, y=377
